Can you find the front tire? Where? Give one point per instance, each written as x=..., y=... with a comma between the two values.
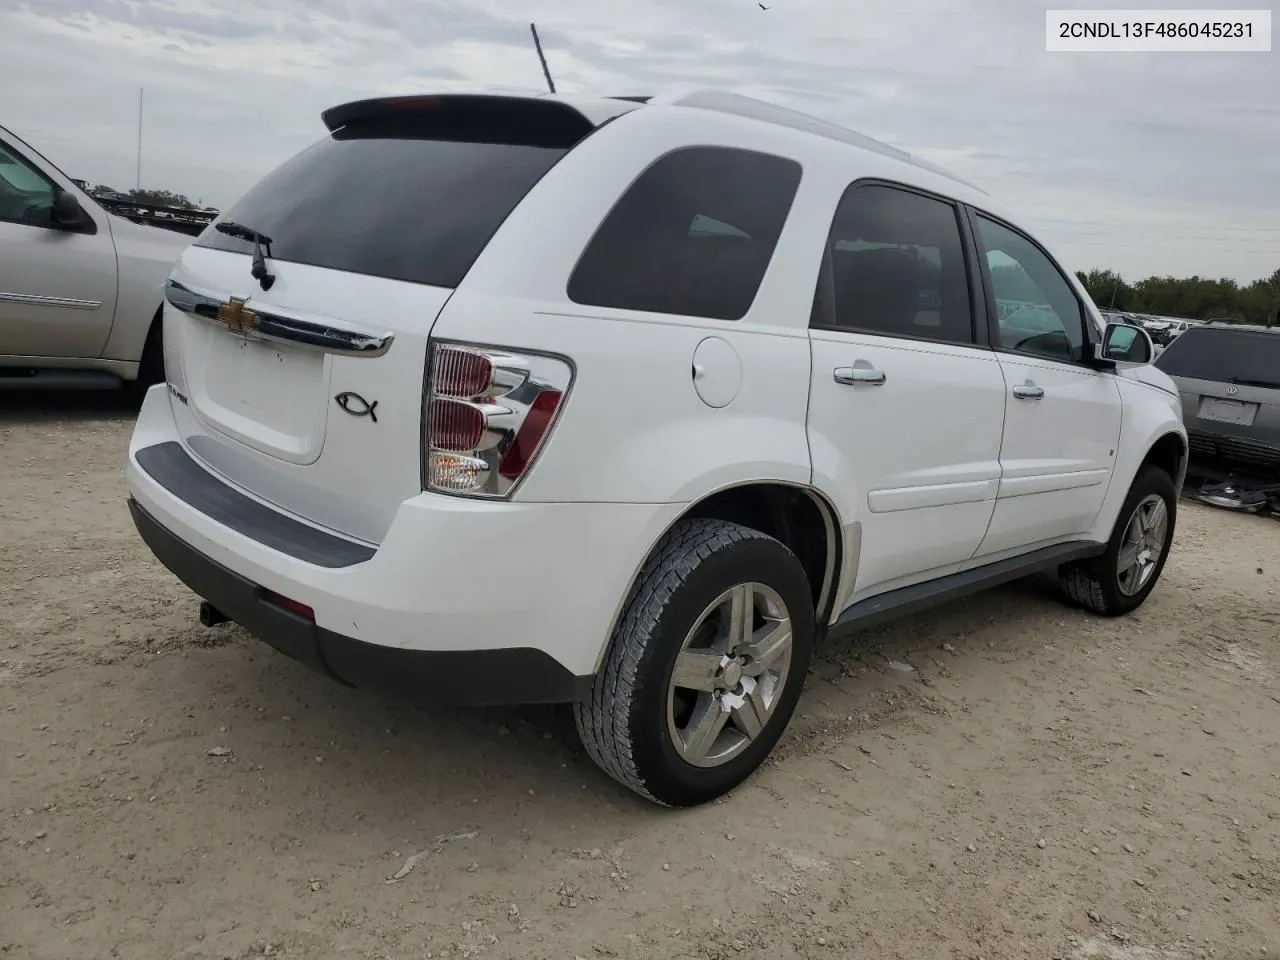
x=705, y=666
x=1122, y=578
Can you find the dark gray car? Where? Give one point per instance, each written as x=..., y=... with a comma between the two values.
x=1229, y=378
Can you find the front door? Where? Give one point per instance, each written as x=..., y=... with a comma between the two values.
x=57, y=287
x=905, y=405
x=1062, y=416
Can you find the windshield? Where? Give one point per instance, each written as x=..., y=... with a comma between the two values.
x=1224, y=355
x=387, y=203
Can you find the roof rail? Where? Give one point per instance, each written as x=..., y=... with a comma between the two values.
x=724, y=101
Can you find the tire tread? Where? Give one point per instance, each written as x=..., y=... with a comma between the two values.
x=1086, y=582
x=603, y=719
x=1083, y=584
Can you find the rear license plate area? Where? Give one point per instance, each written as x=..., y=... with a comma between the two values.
x=269, y=396
x=1228, y=411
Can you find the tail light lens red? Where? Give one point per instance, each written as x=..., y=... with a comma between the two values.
x=529, y=437
x=460, y=373
x=487, y=414
x=455, y=425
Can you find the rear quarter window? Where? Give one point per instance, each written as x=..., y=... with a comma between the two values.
x=693, y=235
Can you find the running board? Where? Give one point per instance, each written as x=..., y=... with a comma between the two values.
x=921, y=596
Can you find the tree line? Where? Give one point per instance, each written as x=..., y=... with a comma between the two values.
x=1191, y=298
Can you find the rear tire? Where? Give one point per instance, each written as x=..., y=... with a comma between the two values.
x=151, y=366
x=1122, y=578
x=684, y=739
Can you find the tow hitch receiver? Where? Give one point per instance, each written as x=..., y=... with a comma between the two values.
x=211, y=616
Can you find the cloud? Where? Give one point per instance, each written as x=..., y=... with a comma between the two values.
x=1149, y=163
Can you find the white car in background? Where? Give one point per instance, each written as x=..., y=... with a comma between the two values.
x=80, y=288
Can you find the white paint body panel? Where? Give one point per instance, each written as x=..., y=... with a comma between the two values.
x=937, y=471
x=263, y=415
x=557, y=577
x=919, y=475
x=1058, y=453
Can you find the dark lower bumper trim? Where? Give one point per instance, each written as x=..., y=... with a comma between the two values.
x=173, y=468
x=455, y=677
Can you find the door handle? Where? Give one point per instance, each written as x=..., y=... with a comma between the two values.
x=1028, y=391
x=852, y=375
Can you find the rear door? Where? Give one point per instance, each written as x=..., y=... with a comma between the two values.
x=1230, y=385
x=1061, y=416
x=906, y=401
x=309, y=394
x=57, y=286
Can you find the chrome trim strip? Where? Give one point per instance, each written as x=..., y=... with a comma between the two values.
x=308, y=333
x=69, y=302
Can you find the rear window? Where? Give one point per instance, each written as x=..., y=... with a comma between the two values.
x=692, y=236
x=1224, y=355
x=405, y=197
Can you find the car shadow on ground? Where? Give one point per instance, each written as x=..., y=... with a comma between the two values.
x=399, y=762
x=25, y=405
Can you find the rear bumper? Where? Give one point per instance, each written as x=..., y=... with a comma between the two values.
x=469, y=601
x=1252, y=455
x=514, y=674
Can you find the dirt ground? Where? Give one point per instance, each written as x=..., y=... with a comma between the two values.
x=1004, y=778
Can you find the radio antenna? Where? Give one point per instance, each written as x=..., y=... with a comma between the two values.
x=138, y=182
x=537, y=45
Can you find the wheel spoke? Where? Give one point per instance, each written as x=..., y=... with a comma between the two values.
x=727, y=676
x=1153, y=517
x=1127, y=561
x=751, y=714
x=742, y=609
x=769, y=644
x=697, y=670
x=1144, y=543
x=708, y=720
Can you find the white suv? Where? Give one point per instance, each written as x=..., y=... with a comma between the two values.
x=627, y=403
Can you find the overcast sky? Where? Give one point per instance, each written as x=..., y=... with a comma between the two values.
x=1147, y=163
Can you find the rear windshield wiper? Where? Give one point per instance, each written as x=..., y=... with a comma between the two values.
x=259, y=240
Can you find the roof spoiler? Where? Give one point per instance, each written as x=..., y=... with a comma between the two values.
x=454, y=106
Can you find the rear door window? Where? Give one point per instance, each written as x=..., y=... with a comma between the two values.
x=897, y=267
x=692, y=236
x=411, y=197
x=1224, y=355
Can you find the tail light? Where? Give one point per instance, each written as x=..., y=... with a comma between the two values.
x=487, y=413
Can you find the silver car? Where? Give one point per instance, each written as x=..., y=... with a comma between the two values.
x=1229, y=379
x=80, y=288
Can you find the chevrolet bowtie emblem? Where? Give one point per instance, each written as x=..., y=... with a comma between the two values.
x=236, y=316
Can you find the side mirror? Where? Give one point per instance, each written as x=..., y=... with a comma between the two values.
x=67, y=212
x=1123, y=344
